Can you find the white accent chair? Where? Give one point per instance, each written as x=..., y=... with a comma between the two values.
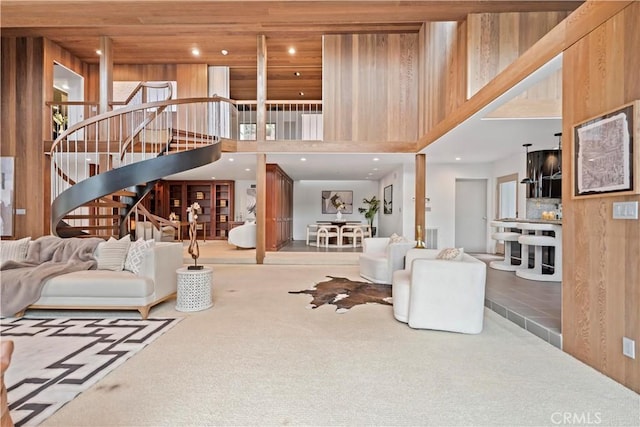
x=243, y=236
x=438, y=294
x=379, y=258
x=312, y=233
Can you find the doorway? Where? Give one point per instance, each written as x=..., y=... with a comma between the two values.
x=68, y=86
x=471, y=215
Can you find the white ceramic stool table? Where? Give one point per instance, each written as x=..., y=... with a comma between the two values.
x=538, y=240
x=504, y=234
x=194, y=289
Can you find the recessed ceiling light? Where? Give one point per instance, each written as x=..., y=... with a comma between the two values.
x=213, y=177
x=292, y=50
x=231, y=159
x=375, y=159
x=225, y=52
x=98, y=52
x=65, y=86
x=303, y=159
x=301, y=93
x=375, y=169
x=248, y=170
x=458, y=158
x=88, y=159
x=297, y=74
x=370, y=173
x=195, y=51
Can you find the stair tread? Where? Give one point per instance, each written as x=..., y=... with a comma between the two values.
x=105, y=204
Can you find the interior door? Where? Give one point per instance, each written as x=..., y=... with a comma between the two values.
x=471, y=215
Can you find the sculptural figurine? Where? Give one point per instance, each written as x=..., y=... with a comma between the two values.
x=193, y=250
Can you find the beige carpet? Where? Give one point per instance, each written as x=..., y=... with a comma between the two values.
x=259, y=357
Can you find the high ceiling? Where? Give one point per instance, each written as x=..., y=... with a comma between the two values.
x=166, y=31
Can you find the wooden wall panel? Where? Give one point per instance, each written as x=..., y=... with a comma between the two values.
x=442, y=71
x=601, y=276
x=22, y=129
x=146, y=73
x=492, y=46
x=370, y=87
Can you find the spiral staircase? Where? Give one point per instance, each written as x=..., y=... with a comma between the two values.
x=103, y=167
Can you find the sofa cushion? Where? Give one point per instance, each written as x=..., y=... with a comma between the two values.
x=98, y=283
x=451, y=254
x=135, y=256
x=394, y=238
x=112, y=254
x=14, y=250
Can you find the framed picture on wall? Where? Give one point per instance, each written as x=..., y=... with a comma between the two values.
x=604, y=158
x=388, y=200
x=334, y=199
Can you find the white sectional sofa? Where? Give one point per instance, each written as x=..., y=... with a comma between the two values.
x=380, y=258
x=117, y=290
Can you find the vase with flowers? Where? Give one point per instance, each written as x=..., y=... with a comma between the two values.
x=194, y=250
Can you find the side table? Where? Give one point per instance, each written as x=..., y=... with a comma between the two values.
x=194, y=289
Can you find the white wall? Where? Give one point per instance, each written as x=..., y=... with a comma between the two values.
x=240, y=199
x=441, y=187
x=307, y=202
x=401, y=219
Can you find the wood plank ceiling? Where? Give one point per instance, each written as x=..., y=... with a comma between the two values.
x=165, y=31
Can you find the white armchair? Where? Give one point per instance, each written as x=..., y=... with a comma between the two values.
x=243, y=236
x=380, y=259
x=438, y=294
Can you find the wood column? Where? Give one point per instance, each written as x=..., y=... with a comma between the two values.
x=261, y=207
x=106, y=74
x=261, y=109
x=421, y=180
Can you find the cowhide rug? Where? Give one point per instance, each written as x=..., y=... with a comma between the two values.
x=345, y=293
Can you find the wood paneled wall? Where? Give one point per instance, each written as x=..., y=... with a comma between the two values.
x=370, y=87
x=443, y=50
x=601, y=276
x=492, y=46
x=23, y=129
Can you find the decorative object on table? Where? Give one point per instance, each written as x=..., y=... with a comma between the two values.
x=419, y=242
x=388, y=200
x=604, y=150
x=370, y=210
x=331, y=200
x=40, y=382
x=345, y=293
x=194, y=250
x=340, y=207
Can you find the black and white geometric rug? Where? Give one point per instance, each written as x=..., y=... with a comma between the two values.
x=54, y=360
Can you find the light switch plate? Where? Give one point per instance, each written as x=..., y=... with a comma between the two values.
x=625, y=210
x=629, y=347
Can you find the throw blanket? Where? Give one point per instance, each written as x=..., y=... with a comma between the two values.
x=47, y=257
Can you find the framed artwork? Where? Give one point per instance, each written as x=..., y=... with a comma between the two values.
x=388, y=200
x=604, y=148
x=7, y=175
x=334, y=199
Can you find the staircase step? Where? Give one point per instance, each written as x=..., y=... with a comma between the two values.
x=89, y=216
x=125, y=193
x=105, y=203
x=93, y=227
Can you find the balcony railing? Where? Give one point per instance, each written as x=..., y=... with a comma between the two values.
x=285, y=120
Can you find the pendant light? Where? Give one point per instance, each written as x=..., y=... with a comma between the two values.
x=527, y=180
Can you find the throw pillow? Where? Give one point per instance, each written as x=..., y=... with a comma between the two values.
x=394, y=238
x=14, y=250
x=113, y=253
x=136, y=255
x=451, y=254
